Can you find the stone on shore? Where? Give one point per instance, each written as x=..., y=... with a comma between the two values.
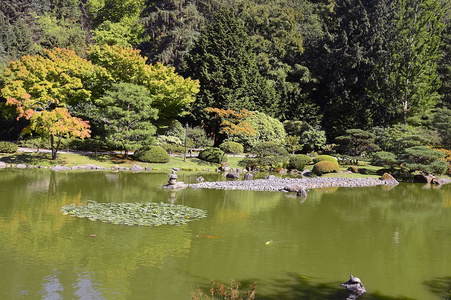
x=2, y=164
x=60, y=168
x=248, y=176
x=301, y=193
x=233, y=175
x=136, y=168
x=389, y=179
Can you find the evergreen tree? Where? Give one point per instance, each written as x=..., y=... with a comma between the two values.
x=343, y=64
x=224, y=62
x=444, y=64
x=171, y=29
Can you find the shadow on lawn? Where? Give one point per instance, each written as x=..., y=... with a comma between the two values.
x=30, y=159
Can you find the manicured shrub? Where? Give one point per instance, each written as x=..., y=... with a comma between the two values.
x=171, y=148
x=263, y=150
x=152, y=154
x=384, y=159
x=422, y=158
x=447, y=159
x=325, y=158
x=232, y=147
x=299, y=161
x=8, y=147
x=266, y=156
x=325, y=166
x=214, y=155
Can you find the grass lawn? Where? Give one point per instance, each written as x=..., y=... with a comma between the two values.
x=106, y=160
x=109, y=160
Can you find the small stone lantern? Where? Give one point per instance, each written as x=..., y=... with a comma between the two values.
x=172, y=178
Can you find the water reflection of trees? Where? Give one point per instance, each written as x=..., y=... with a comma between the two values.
x=440, y=287
x=33, y=229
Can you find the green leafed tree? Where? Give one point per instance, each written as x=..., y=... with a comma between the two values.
x=129, y=116
x=267, y=129
x=410, y=81
x=171, y=93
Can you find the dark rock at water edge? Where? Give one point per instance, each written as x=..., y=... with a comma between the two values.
x=233, y=175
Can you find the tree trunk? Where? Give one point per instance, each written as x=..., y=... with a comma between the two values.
x=53, y=147
x=126, y=154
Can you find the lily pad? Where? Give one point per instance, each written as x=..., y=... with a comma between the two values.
x=143, y=214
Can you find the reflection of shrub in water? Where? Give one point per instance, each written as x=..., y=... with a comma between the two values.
x=440, y=287
x=219, y=290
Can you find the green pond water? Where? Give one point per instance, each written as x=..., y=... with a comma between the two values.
x=397, y=241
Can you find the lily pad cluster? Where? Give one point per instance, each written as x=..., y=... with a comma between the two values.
x=144, y=214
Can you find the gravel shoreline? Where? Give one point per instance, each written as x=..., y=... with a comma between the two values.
x=292, y=184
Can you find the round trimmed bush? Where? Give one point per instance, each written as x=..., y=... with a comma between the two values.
x=299, y=161
x=212, y=154
x=152, y=154
x=8, y=147
x=324, y=167
x=232, y=147
x=325, y=158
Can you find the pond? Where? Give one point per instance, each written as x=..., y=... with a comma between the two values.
x=397, y=241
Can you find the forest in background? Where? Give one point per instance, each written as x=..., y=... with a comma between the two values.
x=325, y=66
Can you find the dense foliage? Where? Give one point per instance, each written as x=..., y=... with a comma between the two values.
x=152, y=154
x=212, y=154
x=8, y=147
x=324, y=167
x=232, y=147
x=365, y=75
x=325, y=158
x=299, y=161
x=266, y=156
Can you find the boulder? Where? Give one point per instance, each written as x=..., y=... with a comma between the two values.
x=270, y=177
x=437, y=181
x=148, y=168
x=306, y=173
x=136, y=168
x=353, y=169
x=301, y=193
x=355, y=287
x=248, y=176
x=21, y=166
x=423, y=178
x=60, y=168
x=389, y=178
x=200, y=179
x=225, y=167
x=293, y=188
x=233, y=175
x=2, y=164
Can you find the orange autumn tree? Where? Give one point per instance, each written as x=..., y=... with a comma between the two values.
x=230, y=122
x=41, y=87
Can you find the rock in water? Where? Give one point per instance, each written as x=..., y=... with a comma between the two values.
x=355, y=287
